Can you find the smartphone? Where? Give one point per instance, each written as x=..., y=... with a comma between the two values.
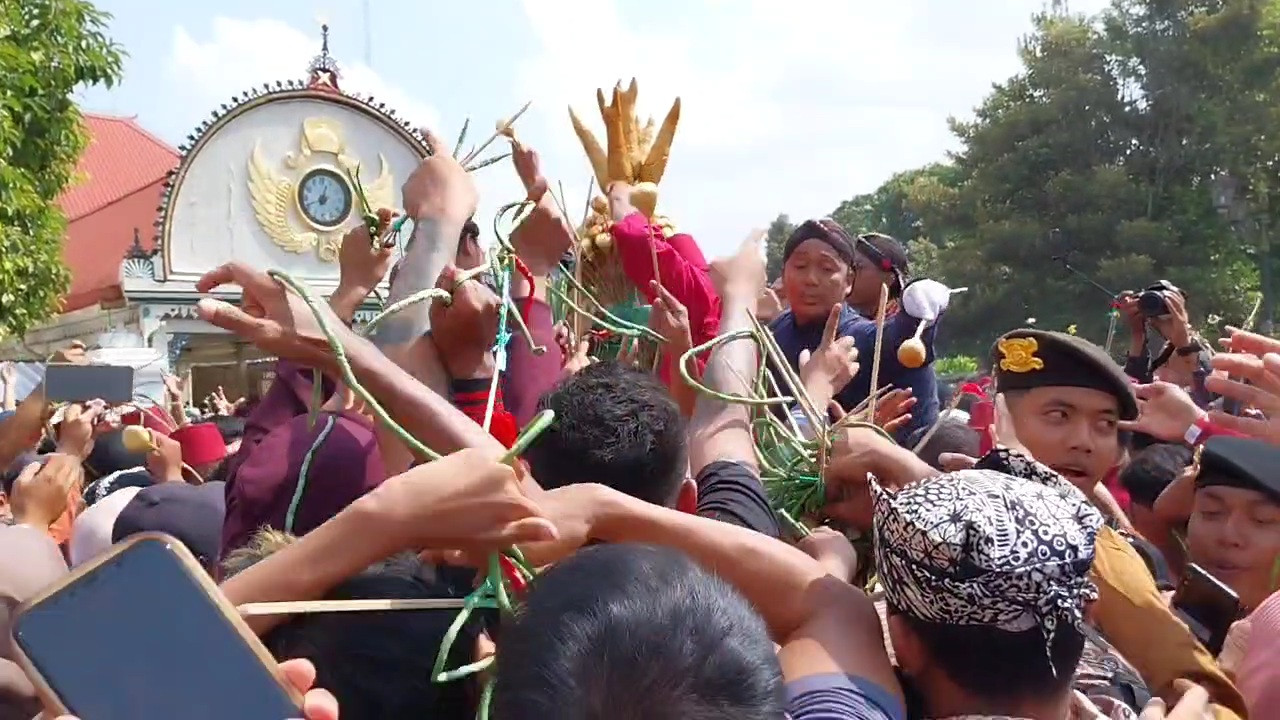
x=144, y=634
x=1207, y=605
x=112, y=384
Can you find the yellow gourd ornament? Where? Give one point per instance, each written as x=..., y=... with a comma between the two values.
x=912, y=353
x=137, y=439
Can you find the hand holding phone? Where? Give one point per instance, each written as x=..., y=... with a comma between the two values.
x=94, y=647
x=1207, y=605
x=317, y=704
x=40, y=492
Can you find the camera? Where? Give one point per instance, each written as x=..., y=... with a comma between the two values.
x=1152, y=303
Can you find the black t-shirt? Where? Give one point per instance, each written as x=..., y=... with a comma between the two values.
x=732, y=492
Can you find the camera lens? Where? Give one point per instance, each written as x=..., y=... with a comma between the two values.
x=1152, y=304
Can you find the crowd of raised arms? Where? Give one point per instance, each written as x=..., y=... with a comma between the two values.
x=1042, y=542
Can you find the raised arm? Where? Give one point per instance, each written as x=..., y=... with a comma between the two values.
x=639, y=244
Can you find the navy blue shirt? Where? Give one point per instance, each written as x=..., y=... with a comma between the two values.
x=794, y=337
x=841, y=697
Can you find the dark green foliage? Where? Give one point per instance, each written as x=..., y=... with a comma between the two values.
x=48, y=49
x=1111, y=133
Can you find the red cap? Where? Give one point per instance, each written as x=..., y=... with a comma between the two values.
x=201, y=443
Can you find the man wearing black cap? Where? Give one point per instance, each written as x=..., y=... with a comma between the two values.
x=821, y=268
x=1067, y=397
x=879, y=260
x=1234, y=528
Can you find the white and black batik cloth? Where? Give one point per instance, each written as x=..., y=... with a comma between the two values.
x=979, y=547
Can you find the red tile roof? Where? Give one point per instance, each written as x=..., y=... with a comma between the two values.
x=120, y=160
x=122, y=177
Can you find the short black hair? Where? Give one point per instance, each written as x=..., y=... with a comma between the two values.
x=378, y=664
x=996, y=664
x=952, y=436
x=230, y=427
x=626, y=631
x=1150, y=471
x=470, y=230
x=614, y=425
x=9, y=475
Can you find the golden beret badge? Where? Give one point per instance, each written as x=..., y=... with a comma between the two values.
x=1019, y=355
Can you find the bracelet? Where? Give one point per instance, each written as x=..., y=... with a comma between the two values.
x=1199, y=431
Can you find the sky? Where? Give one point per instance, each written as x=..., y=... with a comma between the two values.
x=787, y=106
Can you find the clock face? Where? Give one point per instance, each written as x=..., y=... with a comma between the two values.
x=324, y=198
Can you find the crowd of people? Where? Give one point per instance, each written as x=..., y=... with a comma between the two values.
x=1017, y=552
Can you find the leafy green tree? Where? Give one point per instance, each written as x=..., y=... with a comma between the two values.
x=48, y=49
x=1109, y=135
x=775, y=241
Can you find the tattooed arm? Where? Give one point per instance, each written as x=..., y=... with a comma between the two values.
x=434, y=244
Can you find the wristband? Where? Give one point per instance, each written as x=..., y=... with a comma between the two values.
x=1199, y=431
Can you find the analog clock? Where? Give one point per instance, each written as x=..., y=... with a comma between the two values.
x=324, y=197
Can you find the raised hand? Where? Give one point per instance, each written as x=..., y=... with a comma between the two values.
x=269, y=316
x=893, y=411
x=768, y=305
x=464, y=328
x=579, y=359
x=439, y=187
x=80, y=425
x=41, y=491
x=629, y=353
x=1127, y=305
x=529, y=168
x=1243, y=341
x=175, y=386
x=362, y=263
x=1165, y=412
x=466, y=501
x=829, y=368
x=742, y=272
x=1262, y=393
x=669, y=317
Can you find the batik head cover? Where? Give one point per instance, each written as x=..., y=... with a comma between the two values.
x=978, y=547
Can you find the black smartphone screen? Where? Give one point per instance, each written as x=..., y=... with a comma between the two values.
x=1207, y=605
x=138, y=638
x=112, y=384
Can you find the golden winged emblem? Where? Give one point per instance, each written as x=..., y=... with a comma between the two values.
x=309, y=202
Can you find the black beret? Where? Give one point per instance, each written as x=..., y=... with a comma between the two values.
x=1240, y=462
x=824, y=229
x=1025, y=359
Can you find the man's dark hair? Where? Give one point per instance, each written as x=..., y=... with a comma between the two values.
x=9, y=475
x=230, y=427
x=378, y=664
x=952, y=436
x=624, y=632
x=999, y=665
x=616, y=426
x=1152, y=470
x=470, y=230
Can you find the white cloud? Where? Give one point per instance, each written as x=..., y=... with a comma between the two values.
x=787, y=106
x=241, y=54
